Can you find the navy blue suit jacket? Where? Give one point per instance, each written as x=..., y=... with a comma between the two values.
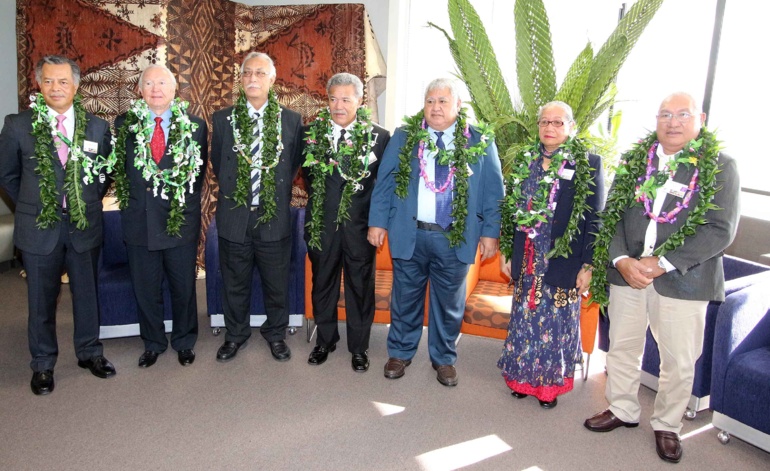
x=562, y=272
x=399, y=216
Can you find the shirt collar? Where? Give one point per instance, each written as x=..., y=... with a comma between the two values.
x=336, y=127
x=448, y=136
x=253, y=110
x=166, y=115
x=69, y=114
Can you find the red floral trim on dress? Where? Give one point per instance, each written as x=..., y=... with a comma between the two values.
x=542, y=393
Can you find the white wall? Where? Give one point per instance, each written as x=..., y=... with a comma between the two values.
x=9, y=102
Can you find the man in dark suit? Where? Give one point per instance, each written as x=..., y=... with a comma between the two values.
x=419, y=226
x=158, y=245
x=255, y=154
x=57, y=228
x=343, y=246
x=670, y=292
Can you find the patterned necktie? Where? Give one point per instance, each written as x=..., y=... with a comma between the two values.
x=158, y=141
x=443, y=200
x=61, y=147
x=344, y=159
x=256, y=175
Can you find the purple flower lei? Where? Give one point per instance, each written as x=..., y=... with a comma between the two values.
x=431, y=185
x=664, y=217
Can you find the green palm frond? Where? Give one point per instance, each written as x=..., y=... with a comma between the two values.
x=480, y=71
x=603, y=72
x=534, y=56
x=571, y=91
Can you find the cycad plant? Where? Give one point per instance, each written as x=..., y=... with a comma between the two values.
x=588, y=87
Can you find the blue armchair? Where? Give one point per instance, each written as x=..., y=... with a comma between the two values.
x=215, y=286
x=739, y=274
x=740, y=379
x=119, y=314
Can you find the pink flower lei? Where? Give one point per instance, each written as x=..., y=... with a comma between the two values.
x=431, y=185
x=643, y=196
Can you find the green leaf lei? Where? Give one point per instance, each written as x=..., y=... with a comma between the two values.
x=459, y=160
x=185, y=151
x=513, y=206
x=267, y=159
x=321, y=158
x=43, y=129
x=633, y=166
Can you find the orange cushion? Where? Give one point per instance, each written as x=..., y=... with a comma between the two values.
x=383, y=283
x=489, y=305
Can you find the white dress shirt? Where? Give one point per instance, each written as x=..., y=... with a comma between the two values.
x=426, y=199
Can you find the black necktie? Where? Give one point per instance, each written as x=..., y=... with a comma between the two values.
x=443, y=200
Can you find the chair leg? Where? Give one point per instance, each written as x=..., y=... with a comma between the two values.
x=310, y=333
x=585, y=369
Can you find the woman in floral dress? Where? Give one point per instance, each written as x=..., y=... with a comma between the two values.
x=549, y=218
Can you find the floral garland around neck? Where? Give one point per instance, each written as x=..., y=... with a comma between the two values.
x=321, y=158
x=44, y=130
x=186, y=154
x=267, y=158
x=518, y=212
x=629, y=190
x=459, y=161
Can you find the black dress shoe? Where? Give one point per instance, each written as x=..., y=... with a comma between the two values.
x=280, y=350
x=518, y=395
x=186, y=357
x=360, y=362
x=320, y=353
x=148, y=359
x=548, y=404
x=668, y=446
x=42, y=382
x=99, y=366
x=228, y=350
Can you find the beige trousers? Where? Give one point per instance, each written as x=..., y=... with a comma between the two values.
x=677, y=326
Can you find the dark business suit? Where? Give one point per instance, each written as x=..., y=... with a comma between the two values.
x=47, y=252
x=421, y=255
x=673, y=305
x=153, y=253
x=244, y=243
x=345, y=248
x=562, y=271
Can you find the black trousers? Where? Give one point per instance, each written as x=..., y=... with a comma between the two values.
x=43, y=286
x=148, y=268
x=350, y=253
x=237, y=262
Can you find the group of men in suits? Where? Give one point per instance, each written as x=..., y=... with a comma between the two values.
x=397, y=195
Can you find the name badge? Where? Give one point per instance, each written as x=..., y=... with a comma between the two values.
x=567, y=174
x=470, y=172
x=372, y=158
x=90, y=146
x=675, y=188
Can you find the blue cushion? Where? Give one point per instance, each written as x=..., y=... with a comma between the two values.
x=748, y=377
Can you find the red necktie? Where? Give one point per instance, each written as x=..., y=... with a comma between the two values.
x=158, y=142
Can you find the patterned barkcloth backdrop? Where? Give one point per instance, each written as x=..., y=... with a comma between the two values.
x=203, y=43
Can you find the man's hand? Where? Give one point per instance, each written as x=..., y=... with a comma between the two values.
x=637, y=274
x=376, y=236
x=652, y=264
x=505, y=266
x=488, y=247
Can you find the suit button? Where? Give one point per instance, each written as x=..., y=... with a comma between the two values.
x=148, y=189
x=414, y=218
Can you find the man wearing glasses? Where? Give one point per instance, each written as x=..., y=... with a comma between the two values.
x=255, y=153
x=665, y=264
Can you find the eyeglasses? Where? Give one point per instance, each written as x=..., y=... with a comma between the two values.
x=557, y=123
x=260, y=74
x=682, y=117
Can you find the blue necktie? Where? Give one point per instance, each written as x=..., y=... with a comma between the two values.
x=443, y=200
x=255, y=174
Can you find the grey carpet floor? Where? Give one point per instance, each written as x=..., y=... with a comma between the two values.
x=258, y=414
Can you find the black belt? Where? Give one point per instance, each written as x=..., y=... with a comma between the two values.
x=429, y=226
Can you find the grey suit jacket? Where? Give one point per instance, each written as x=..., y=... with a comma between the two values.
x=18, y=177
x=232, y=221
x=699, y=275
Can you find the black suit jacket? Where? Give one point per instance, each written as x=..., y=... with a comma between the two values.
x=562, y=272
x=18, y=177
x=359, y=204
x=144, y=220
x=232, y=221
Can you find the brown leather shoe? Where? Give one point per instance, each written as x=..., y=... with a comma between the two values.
x=668, y=446
x=396, y=368
x=606, y=421
x=446, y=374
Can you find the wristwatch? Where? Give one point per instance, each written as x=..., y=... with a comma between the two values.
x=661, y=264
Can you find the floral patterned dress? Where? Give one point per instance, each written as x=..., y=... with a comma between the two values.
x=543, y=342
